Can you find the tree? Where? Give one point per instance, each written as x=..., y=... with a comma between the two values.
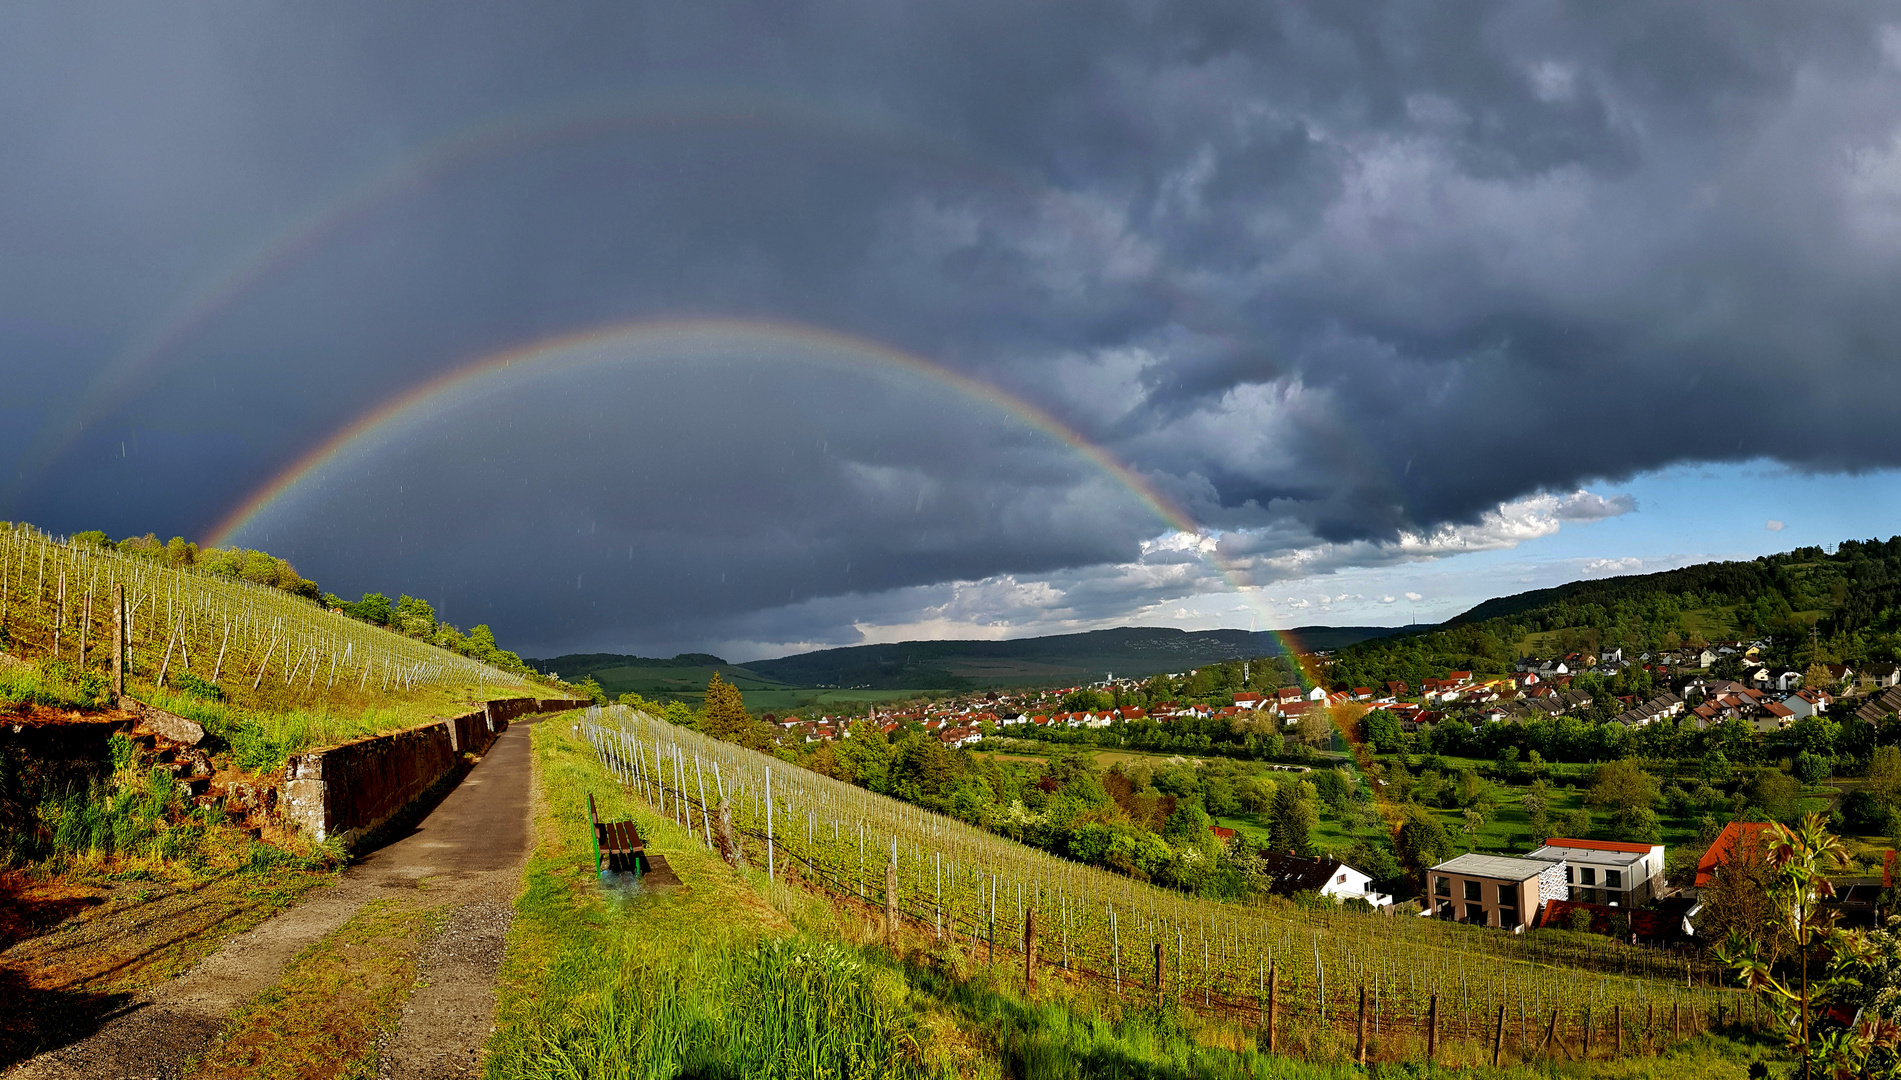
x=1775, y=792
x=1293, y=820
x=1577, y=824
x=1315, y=727
x=1621, y=785
x=1811, y=768
x=1884, y=776
x=1538, y=811
x=1422, y=841
x=725, y=715
x=414, y=617
x=1816, y=677
x=1381, y=728
x=1797, y=893
x=1737, y=897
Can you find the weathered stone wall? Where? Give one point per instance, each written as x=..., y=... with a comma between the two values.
x=349, y=790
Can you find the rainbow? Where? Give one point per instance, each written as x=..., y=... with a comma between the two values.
x=613, y=343
x=299, y=237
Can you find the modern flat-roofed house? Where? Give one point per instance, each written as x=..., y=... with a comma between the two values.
x=1493, y=890
x=1606, y=871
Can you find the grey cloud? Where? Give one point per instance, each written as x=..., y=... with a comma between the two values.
x=1343, y=279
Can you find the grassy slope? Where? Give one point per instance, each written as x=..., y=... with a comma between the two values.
x=583, y=965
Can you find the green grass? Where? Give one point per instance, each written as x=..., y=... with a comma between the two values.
x=733, y=975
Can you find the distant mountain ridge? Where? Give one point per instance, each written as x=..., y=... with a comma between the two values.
x=947, y=665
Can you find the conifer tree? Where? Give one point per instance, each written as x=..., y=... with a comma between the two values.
x=725, y=715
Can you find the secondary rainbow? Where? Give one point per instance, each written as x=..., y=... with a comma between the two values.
x=572, y=350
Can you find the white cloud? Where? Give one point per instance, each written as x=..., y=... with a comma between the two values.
x=1386, y=599
x=1414, y=596
x=1772, y=525
x=1602, y=567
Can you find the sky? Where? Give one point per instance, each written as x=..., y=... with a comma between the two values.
x=756, y=328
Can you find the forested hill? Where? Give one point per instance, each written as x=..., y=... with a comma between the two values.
x=1126, y=651
x=1851, y=598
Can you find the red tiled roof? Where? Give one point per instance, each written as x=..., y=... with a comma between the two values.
x=1719, y=850
x=1599, y=845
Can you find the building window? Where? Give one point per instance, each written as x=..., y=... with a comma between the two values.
x=1471, y=890
x=1589, y=875
x=1508, y=896
x=1508, y=917
x=1614, y=879
x=1475, y=914
x=1442, y=886
x=1341, y=880
x=1567, y=875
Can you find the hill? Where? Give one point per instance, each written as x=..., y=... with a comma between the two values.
x=1848, y=602
x=949, y=665
x=1128, y=651
x=682, y=676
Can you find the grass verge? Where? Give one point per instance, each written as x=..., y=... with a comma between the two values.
x=336, y=1001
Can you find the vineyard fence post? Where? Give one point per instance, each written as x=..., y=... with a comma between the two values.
x=891, y=900
x=1432, y=1029
x=1498, y=1037
x=118, y=639
x=1029, y=951
x=1273, y=1010
x=1617, y=1025
x=1160, y=975
x=1359, y=1031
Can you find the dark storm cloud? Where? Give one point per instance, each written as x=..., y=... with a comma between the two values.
x=1344, y=276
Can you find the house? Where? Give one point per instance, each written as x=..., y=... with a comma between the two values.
x=1774, y=717
x=1799, y=706
x=1288, y=695
x=1318, y=693
x=1494, y=890
x=1331, y=878
x=1840, y=673
x=1883, y=674
x=1397, y=689
x=1456, y=677
x=1720, y=848
x=1363, y=693
x=1606, y=871
x=1788, y=681
x=1247, y=700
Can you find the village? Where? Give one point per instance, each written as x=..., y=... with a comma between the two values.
x=1610, y=886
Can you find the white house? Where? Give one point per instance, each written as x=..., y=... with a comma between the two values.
x=1330, y=878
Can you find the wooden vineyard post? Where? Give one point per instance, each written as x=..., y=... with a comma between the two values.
x=1650, y=1025
x=1498, y=1037
x=1551, y=1034
x=1617, y=1026
x=891, y=902
x=1029, y=951
x=1587, y=1033
x=770, y=869
x=118, y=640
x=1359, y=1031
x=1273, y=1011
x=1161, y=975
x=1676, y=1022
x=1432, y=1030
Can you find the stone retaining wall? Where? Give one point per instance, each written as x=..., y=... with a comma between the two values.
x=351, y=789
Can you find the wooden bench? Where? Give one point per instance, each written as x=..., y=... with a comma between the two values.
x=617, y=844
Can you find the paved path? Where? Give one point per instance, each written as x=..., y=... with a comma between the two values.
x=468, y=853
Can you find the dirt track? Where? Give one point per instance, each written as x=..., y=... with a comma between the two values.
x=467, y=854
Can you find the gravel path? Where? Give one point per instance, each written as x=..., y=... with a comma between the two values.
x=467, y=853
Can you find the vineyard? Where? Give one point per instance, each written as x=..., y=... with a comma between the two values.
x=58, y=601
x=1311, y=971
